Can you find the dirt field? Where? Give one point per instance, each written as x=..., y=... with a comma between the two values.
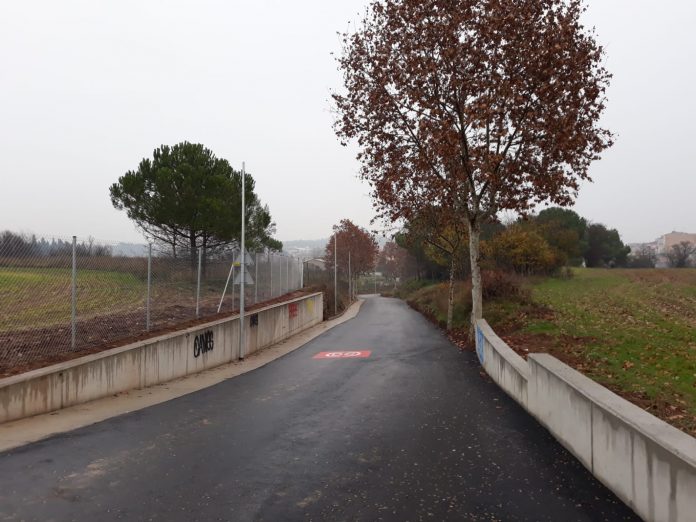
x=35, y=310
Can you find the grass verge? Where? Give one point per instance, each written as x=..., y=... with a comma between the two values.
x=633, y=331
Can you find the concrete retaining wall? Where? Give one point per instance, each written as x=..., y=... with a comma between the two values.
x=646, y=462
x=154, y=360
x=505, y=367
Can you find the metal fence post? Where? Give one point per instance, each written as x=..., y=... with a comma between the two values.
x=198, y=282
x=287, y=274
x=73, y=323
x=350, y=281
x=270, y=270
x=335, y=274
x=256, y=277
x=149, y=287
x=242, y=273
x=232, y=285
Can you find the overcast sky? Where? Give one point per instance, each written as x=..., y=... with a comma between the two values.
x=89, y=88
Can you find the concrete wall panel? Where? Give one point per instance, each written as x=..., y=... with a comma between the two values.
x=649, y=464
x=566, y=414
x=505, y=367
x=151, y=361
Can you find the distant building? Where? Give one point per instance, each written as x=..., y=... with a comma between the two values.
x=666, y=242
x=315, y=264
x=663, y=245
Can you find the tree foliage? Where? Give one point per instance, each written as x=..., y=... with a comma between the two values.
x=565, y=231
x=362, y=246
x=522, y=249
x=476, y=106
x=679, y=255
x=13, y=245
x=645, y=257
x=413, y=241
x=187, y=198
x=394, y=261
x=605, y=248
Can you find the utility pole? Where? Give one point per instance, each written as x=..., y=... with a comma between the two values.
x=241, y=274
x=335, y=274
x=350, y=281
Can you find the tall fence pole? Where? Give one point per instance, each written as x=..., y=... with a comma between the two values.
x=256, y=277
x=335, y=274
x=350, y=281
x=301, y=273
x=73, y=308
x=198, y=282
x=149, y=287
x=233, y=284
x=280, y=275
x=242, y=273
x=287, y=274
x=270, y=270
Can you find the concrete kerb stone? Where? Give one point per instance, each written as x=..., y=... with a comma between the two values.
x=20, y=432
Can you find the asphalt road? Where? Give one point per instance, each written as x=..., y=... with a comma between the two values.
x=414, y=432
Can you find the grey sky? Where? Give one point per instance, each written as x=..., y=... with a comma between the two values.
x=91, y=87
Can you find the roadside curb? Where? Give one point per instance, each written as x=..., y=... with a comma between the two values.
x=15, y=434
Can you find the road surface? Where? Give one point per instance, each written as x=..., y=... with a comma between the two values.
x=412, y=432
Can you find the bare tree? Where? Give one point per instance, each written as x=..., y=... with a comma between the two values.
x=679, y=256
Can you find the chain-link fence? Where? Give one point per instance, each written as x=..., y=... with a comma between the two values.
x=339, y=291
x=64, y=297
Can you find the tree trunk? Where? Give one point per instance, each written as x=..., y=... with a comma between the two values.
x=450, y=297
x=476, y=285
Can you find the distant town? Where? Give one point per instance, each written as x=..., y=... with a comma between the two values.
x=662, y=246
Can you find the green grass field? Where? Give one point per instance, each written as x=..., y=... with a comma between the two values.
x=637, y=328
x=39, y=297
x=631, y=330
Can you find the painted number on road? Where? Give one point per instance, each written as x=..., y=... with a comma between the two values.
x=343, y=355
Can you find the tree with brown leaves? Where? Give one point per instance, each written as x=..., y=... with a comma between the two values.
x=478, y=106
x=393, y=261
x=359, y=242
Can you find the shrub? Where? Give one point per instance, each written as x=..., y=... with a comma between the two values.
x=503, y=285
x=521, y=248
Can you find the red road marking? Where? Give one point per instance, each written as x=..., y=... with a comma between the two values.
x=343, y=355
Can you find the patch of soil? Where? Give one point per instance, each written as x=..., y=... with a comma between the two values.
x=25, y=350
x=674, y=412
x=571, y=350
x=566, y=348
